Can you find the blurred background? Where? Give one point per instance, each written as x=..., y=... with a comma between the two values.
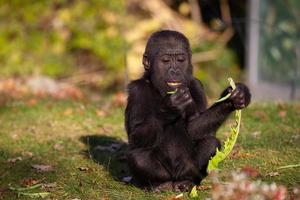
x=76, y=48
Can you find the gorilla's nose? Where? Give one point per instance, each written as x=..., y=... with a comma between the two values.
x=174, y=72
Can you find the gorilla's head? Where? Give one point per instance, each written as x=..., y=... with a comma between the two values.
x=167, y=60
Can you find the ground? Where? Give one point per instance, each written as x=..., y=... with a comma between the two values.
x=74, y=140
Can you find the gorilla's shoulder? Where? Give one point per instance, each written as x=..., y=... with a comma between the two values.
x=196, y=83
x=140, y=86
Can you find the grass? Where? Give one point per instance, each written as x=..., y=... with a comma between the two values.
x=63, y=134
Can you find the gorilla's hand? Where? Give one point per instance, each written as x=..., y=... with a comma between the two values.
x=182, y=101
x=240, y=97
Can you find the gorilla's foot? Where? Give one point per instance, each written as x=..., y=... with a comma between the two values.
x=166, y=186
x=182, y=186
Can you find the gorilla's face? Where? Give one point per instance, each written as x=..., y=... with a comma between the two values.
x=171, y=68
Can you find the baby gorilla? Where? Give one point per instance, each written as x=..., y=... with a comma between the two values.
x=171, y=132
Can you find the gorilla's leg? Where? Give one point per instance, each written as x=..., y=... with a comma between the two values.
x=205, y=148
x=147, y=170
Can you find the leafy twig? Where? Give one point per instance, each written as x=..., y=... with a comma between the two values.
x=230, y=142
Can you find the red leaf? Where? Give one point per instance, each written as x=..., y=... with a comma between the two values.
x=250, y=171
x=30, y=182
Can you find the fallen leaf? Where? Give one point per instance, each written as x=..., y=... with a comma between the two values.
x=14, y=136
x=42, y=168
x=177, y=197
x=295, y=136
x=32, y=102
x=237, y=154
x=49, y=186
x=203, y=187
x=68, y=112
x=29, y=182
x=13, y=160
x=73, y=92
x=282, y=114
x=256, y=134
x=27, y=154
x=101, y=113
x=2, y=191
x=58, y=147
x=105, y=198
x=250, y=171
x=119, y=99
x=271, y=174
x=262, y=116
x=84, y=169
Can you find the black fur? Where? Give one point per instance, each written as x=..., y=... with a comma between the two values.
x=172, y=137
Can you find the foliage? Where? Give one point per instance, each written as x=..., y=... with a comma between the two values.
x=279, y=41
x=46, y=36
x=213, y=72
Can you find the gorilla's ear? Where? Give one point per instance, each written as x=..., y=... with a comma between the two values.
x=146, y=62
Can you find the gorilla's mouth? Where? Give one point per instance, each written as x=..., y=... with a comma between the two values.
x=174, y=83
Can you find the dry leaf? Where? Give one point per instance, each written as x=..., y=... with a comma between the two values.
x=49, y=185
x=68, y=112
x=84, y=169
x=2, y=191
x=262, y=116
x=105, y=198
x=282, y=114
x=101, y=113
x=119, y=99
x=13, y=160
x=250, y=171
x=236, y=154
x=203, y=187
x=32, y=102
x=42, y=168
x=177, y=197
x=29, y=182
x=271, y=174
x=58, y=147
x=256, y=134
x=27, y=154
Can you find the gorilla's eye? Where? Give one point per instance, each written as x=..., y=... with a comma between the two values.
x=165, y=59
x=180, y=58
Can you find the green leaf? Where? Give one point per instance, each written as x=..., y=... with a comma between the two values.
x=25, y=191
x=35, y=195
x=223, y=98
x=19, y=189
x=172, y=92
x=230, y=141
x=193, y=193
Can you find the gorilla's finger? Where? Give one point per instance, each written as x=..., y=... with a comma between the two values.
x=234, y=93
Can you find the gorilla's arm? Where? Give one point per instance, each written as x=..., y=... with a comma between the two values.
x=200, y=120
x=200, y=124
x=141, y=125
x=208, y=121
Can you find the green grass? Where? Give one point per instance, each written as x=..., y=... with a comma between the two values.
x=269, y=138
